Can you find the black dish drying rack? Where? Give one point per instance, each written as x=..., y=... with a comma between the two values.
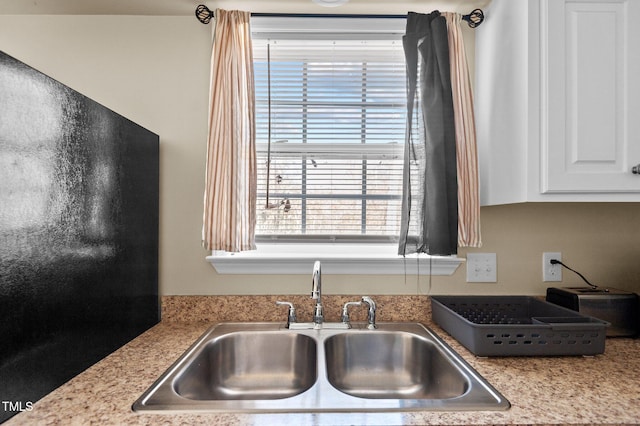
x=517, y=326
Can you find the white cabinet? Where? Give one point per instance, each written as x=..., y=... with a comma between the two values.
x=558, y=101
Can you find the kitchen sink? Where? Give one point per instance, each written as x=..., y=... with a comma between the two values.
x=392, y=365
x=266, y=367
x=250, y=365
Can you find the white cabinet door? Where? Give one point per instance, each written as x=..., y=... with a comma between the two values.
x=590, y=96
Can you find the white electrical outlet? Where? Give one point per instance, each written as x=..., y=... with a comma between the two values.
x=551, y=272
x=481, y=268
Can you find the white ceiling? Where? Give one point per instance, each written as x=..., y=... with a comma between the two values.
x=187, y=7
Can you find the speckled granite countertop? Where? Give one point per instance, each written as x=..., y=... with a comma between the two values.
x=604, y=389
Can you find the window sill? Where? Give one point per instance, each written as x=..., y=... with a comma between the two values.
x=370, y=259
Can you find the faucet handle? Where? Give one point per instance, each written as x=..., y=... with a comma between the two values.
x=345, y=312
x=371, y=316
x=291, y=317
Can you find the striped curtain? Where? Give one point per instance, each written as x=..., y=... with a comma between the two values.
x=229, y=218
x=466, y=146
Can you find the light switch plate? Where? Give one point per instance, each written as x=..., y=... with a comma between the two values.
x=481, y=268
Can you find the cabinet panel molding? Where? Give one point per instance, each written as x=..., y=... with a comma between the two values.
x=586, y=136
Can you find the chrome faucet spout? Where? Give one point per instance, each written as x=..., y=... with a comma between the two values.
x=316, y=293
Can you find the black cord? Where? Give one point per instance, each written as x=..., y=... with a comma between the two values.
x=557, y=262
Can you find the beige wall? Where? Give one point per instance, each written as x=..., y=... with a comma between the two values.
x=154, y=70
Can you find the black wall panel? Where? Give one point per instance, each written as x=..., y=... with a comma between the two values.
x=78, y=233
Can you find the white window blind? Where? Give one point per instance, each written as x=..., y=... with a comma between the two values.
x=330, y=124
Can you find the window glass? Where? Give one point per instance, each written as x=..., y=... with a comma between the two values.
x=330, y=126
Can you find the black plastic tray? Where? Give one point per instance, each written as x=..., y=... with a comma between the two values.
x=517, y=326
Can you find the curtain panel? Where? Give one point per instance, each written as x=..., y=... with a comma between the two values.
x=439, y=173
x=466, y=146
x=229, y=218
x=429, y=205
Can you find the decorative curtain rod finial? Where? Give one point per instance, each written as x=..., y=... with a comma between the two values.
x=204, y=14
x=475, y=18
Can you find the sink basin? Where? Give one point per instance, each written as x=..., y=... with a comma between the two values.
x=391, y=365
x=266, y=367
x=250, y=365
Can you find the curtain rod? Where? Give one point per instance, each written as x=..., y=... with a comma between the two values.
x=204, y=15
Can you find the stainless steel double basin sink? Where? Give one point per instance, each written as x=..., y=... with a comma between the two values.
x=265, y=367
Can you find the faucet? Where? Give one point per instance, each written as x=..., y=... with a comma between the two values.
x=316, y=294
x=318, y=312
x=371, y=315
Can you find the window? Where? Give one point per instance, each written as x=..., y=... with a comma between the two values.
x=330, y=120
x=330, y=127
